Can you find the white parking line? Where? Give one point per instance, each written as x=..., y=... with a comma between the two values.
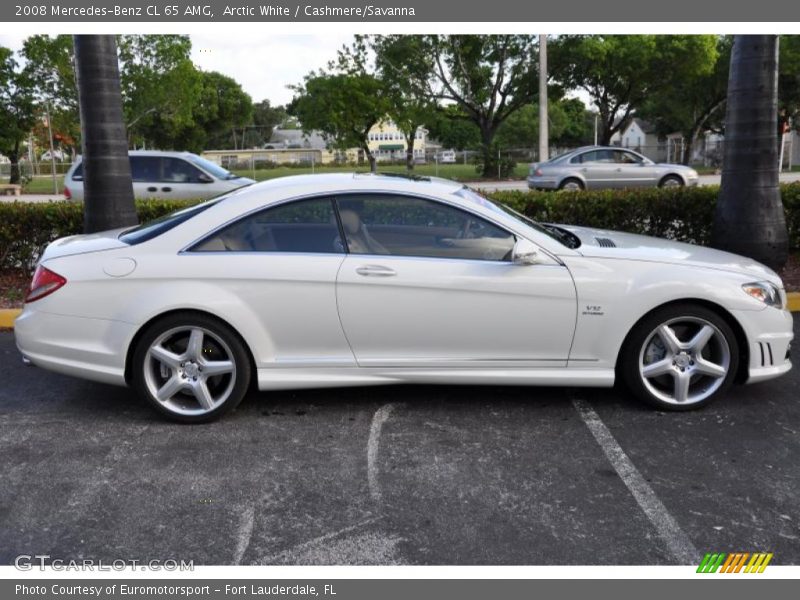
x=245, y=533
x=373, y=444
x=667, y=527
x=295, y=550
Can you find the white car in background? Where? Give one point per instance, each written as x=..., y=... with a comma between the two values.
x=349, y=280
x=166, y=175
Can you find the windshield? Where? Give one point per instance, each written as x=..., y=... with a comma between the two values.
x=212, y=167
x=552, y=232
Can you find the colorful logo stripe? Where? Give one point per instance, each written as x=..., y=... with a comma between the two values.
x=734, y=562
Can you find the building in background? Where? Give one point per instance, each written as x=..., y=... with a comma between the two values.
x=294, y=147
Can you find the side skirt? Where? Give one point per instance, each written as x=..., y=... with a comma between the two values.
x=306, y=378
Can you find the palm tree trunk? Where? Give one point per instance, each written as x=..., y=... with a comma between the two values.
x=749, y=217
x=108, y=191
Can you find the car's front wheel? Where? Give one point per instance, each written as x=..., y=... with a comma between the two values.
x=191, y=368
x=680, y=357
x=671, y=181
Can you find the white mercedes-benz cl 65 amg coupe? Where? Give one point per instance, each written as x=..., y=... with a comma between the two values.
x=348, y=280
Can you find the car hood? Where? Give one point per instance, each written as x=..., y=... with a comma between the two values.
x=83, y=244
x=603, y=243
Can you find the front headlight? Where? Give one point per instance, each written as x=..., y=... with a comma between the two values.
x=765, y=292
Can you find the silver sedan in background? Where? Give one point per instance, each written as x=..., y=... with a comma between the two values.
x=597, y=167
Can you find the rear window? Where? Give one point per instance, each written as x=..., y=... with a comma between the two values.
x=148, y=231
x=77, y=174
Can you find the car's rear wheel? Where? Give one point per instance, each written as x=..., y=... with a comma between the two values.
x=571, y=185
x=191, y=368
x=671, y=181
x=680, y=357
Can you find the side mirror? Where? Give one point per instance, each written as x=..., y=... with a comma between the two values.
x=203, y=178
x=525, y=252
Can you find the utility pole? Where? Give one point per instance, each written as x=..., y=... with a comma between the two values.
x=595, y=128
x=543, y=124
x=52, y=150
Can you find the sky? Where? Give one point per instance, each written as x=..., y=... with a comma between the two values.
x=263, y=66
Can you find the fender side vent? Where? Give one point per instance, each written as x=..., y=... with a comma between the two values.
x=605, y=242
x=767, y=359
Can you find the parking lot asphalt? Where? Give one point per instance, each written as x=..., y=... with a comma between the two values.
x=396, y=475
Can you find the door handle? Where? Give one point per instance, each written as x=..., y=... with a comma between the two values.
x=166, y=189
x=375, y=271
x=152, y=189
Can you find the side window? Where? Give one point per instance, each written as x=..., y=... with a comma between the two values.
x=177, y=170
x=586, y=157
x=407, y=226
x=299, y=226
x=145, y=168
x=620, y=156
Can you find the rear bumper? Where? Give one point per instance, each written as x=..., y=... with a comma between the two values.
x=92, y=349
x=542, y=183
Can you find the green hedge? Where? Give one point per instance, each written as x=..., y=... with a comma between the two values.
x=684, y=214
x=680, y=213
x=26, y=227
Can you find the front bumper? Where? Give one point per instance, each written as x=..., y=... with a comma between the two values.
x=769, y=335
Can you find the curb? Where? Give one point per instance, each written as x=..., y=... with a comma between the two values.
x=793, y=301
x=7, y=315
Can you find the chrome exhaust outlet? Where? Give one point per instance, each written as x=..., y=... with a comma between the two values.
x=26, y=361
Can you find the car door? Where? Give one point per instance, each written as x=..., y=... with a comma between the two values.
x=597, y=168
x=281, y=264
x=182, y=180
x=427, y=284
x=633, y=170
x=146, y=176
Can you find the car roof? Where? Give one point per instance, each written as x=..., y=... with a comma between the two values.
x=355, y=182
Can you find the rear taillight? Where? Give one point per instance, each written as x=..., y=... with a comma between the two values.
x=44, y=283
x=67, y=193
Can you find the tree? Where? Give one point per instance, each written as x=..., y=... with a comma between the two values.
x=17, y=109
x=265, y=119
x=400, y=64
x=160, y=87
x=613, y=69
x=108, y=190
x=50, y=61
x=691, y=102
x=578, y=126
x=789, y=78
x=489, y=77
x=749, y=217
x=452, y=128
x=521, y=129
x=343, y=107
x=222, y=109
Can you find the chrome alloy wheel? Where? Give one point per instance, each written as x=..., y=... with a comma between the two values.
x=684, y=360
x=190, y=370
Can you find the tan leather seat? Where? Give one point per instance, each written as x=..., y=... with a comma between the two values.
x=359, y=240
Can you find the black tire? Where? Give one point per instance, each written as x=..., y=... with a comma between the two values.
x=218, y=346
x=643, y=346
x=671, y=181
x=571, y=180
